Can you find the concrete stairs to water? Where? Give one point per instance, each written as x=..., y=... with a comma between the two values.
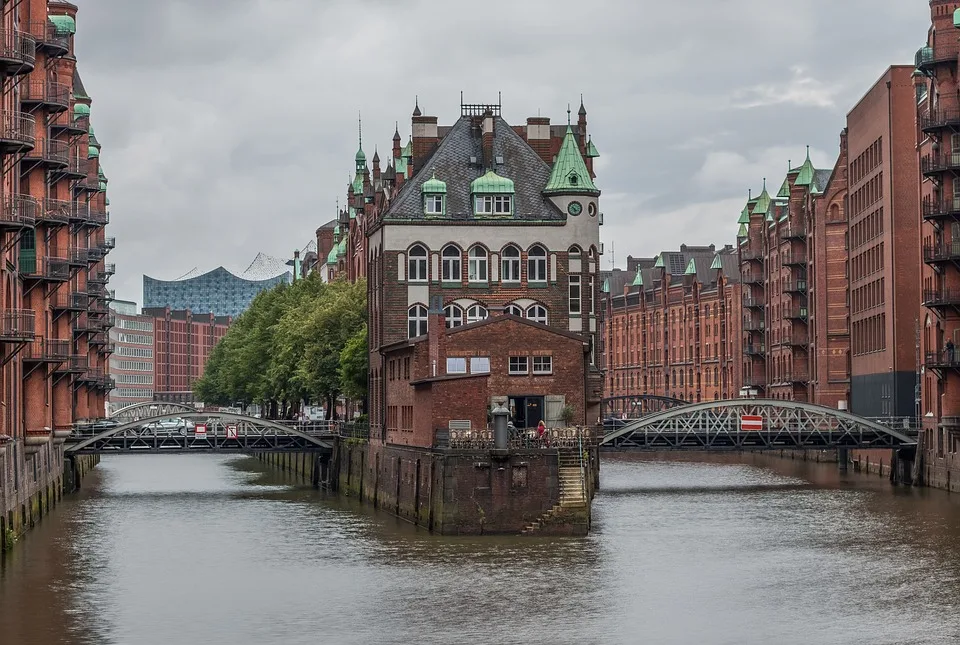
x=572, y=491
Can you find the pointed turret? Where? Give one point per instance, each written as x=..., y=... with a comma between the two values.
x=416, y=108
x=805, y=178
x=638, y=279
x=570, y=174
x=762, y=207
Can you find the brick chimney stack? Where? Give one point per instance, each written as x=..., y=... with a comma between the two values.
x=538, y=137
x=436, y=325
x=424, y=139
x=487, y=139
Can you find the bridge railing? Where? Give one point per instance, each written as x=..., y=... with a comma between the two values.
x=552, y=439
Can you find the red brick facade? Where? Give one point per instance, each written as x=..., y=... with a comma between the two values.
x=182, y=345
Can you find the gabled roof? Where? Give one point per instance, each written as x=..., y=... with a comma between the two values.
x=570, y=174
x=805, y=178
x=763, y=201
x=452, y=161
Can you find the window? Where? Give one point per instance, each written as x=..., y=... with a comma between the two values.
x=537, y=313
x=574, y=294
x=477, y=265
x=456, y=365
x=543, y=364
x=493, y=204
x=417, y=264
x=480, y=365
x=451, y=264
x=454, y=316
x=417, y=321
x=518, y=365
x=537, y=264
x=574, y=252
x=513, y=310
x=510, y=264
x=433, y=204
x=476, y=313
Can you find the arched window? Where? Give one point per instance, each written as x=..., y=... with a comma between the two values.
x=476, y=313
x=574, y=252
x=416, y=321
x=513, y=310
x=510, y=264
x=454, y=316
x=537, y=264
x=537, y=313
x=451, y=262
x=477, y=266
x=417, y=264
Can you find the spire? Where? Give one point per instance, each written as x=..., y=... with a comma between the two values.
x=416, y=109
x=396, y=132
x=805, y=178
x=376, y=156
x=360, y=158
x=583, y=110
x=570, y=173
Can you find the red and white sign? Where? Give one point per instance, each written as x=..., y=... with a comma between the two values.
x=751, y=423
x=231, y=431
x=200, y=430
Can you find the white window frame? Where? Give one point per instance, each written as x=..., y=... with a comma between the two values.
x=538, y=314
x=522, y=364
x=503, y=204
x=480, y=365
x=510, y=264
x=417, y=315
x=456, y=365
x=537, y=264
x=454, y=316
x=513, y=310
x=545, y=367
x=433, y=204
x=483, y=204
x=476, y=313
x=451, y=260
x=417, y=264
x=493, y=204
x=478, y=265
x=575, y=299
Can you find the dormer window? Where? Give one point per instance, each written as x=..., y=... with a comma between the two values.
x=493, y=204
x=492, y=195
x=434, y=196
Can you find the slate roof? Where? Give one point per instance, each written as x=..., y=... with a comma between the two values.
x=451, y=163
x=821, y=178
x=79, y=91
x=730, y=264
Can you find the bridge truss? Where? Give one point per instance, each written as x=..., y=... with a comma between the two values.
x=224, y=433
x=786, y=425
x=637, y=405
x=136, y=411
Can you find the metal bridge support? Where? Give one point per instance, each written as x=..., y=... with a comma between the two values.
x=901, y=466
x=843, y=459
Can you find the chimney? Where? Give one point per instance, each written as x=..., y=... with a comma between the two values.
x=425, y=138
x=538, y=137
x=487, y=139
x=436, y=327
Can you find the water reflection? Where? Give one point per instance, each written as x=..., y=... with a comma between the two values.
x=215, y=550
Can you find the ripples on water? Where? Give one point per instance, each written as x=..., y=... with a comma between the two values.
x=212, y=550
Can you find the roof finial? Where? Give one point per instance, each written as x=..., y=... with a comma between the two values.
x=764, y=183
x=416, y=107
x=360, y=129
x=749, y=194
x=808, y=153
x=569, y=122
x=789, y=165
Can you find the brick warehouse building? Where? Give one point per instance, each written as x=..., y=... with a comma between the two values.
x=55, y=321
x=672, y=327
x=937, y=95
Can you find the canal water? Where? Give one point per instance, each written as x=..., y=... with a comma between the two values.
x=204, y=549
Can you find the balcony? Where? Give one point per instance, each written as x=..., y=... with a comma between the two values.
x=929, y=57
x=747, y=254
x=78, y=257
x=48, y=37
x=749, y=324
x=18, y=212
x=91, y=377
x=18, y=52
x=46, y=268
x=17, y=131
x=71, y=124
x=17, y=325
x=94, y=254
x=51, y=152
x=107, y=383
x=796, y=286
x=941, y=298
x=755, y=350
x=934, y=209
x=947, y=359
x=49, y=94
x=939, y=119
x=795, y=259
x=751, y=278
x=56, y=212
x=933, y=164
x=74, y=364
x=99, y=339
x=88, y=183
x=793, y=231
x=797, y=375
x=107, y=244
x=753, y=303
x=97, y=216
x=97, y=308
x=935, y=253
x=109, y=348
x=797, y=313
x=72, y=301
x=48, y=351
x=751, y=380
x=797, y=339
x=76, y=167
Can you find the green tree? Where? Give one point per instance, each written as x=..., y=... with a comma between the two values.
x=355, y=366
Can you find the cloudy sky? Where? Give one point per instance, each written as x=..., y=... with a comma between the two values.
x=229, y=126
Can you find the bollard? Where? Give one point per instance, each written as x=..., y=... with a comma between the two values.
x=501, y=433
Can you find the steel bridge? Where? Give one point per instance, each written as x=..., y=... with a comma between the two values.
x=135, y=411
x=754, y=424
x=637, y=405
x=208, y=432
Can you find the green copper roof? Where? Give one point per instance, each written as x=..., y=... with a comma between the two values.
x=606, y=286
x=785, y=188
x=361, y=158
x=64, y=25
x=106, y=201
x=358, y=184
x=407, y=151
x=353, y=213
x=763, y=201
x=491, y=183
x=342, y=247
x=805, y=178
x=691, y=268
x=103, y=186
x=743, y=231
x=717, y=265
x=100, y=175
x=400, y=165
x=336, y=230
x=638, y=281
x=436, y=186
x=744, y=215
x=658, y=264
x=81, y=109
x=592, y=149
x=93, y=151
x=569, y=172
x=332, y=255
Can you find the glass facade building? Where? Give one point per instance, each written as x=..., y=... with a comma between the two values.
x=219, y=292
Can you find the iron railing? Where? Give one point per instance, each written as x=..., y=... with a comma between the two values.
x=753, y=303
x=941, y=297
x=48, y=93
x=750, y=324
x=797, y=375
x=47, y=268
x=43, y=349
x=795, y=259
x=79, y=257
x=18, y=49
x=797, y=313
x=755, y=350
x=797, y=339
x=939, y=119
x=18, y=211
x=72, y=301
x=927, y=56
x=796, y=286
x=948, y=358
x=751, y=278
x=47, y=35
x=67, y=121
x=937, y=208
x=750, y=254
x=57, y=211
x=938, y=162
x=17, y=325
x=941, y=252
x=98, y=216
x=17, y=129
x=792, y=231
